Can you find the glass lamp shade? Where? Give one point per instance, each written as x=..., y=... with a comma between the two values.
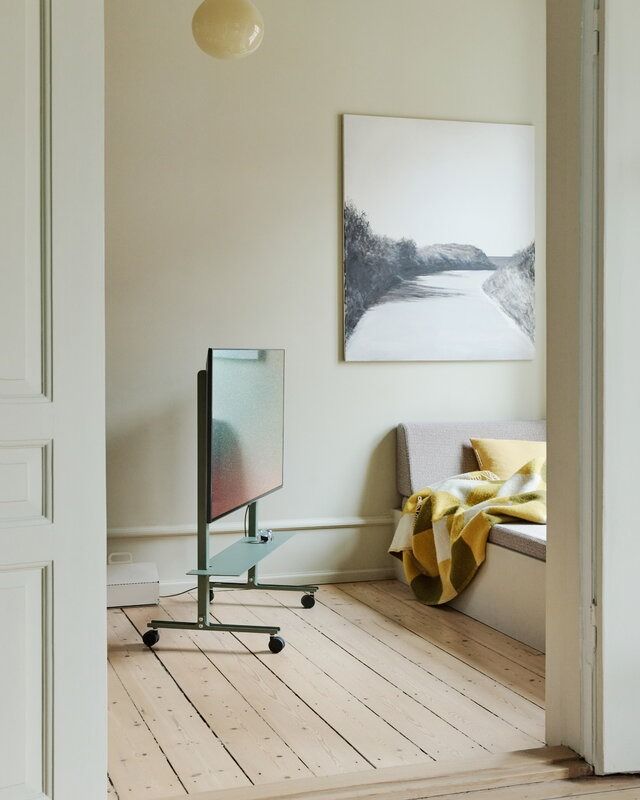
x=228, y=28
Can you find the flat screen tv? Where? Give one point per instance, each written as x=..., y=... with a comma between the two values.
x=245, y=434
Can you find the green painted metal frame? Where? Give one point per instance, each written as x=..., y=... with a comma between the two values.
x=240, y=557
x=205, y=563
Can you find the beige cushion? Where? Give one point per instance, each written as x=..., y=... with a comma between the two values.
x=506, y=456
x=430, y=452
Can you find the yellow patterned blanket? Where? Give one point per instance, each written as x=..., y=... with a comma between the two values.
x=442, y=535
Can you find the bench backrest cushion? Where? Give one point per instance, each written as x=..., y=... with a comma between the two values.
x=428, y=452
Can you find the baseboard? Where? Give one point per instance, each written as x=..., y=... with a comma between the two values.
x=325, y=550
x=224, y=526
x=339, y=576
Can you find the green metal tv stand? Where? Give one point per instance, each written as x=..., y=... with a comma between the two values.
x=240, y=557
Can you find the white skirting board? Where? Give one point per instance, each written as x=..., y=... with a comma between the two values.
x=345, y=550
x=508, y=594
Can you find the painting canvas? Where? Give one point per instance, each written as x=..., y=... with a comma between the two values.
x=439, y=251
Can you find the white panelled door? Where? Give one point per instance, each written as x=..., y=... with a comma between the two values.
x=52, y=495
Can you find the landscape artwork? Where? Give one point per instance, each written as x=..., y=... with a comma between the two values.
x=439, y=251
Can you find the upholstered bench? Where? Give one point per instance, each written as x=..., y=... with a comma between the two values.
x=508, y=591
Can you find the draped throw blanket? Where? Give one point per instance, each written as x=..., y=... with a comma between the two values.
x=442, y=535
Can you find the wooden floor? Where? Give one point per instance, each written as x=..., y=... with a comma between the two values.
x=369, y=679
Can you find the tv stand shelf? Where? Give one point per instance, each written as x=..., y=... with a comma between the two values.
x=239, y=557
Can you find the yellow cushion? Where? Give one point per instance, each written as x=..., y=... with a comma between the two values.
x=506, y=456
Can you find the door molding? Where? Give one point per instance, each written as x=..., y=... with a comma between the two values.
x=34, y=382
x=26, y=589
x=574, y=312
x=590, y=453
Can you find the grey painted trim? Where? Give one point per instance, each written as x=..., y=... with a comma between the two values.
x=590, y=454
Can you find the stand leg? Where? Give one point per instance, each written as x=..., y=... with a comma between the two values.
x=196, y=626
x=203, y=600
x=204, y=489
x=282, y=587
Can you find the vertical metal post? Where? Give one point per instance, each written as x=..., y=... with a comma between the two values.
x=204, y=489
x=253, y=533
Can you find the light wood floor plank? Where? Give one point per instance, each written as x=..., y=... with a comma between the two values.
x=432, y=780
x=318, y=745
x=591, y=787
x=370, y=735
x=137, y=765
x=368, y=679
x=519, y=652
x=468, y=681
x=433, y=735
x=196, y=755
x=287, y=718
x=264, y=756
x=464, y=714
x=520, y=680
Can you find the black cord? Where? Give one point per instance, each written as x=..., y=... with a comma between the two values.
x=192, y=589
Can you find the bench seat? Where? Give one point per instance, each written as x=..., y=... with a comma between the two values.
x=525, y=538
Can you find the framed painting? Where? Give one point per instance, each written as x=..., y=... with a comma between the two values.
x=439, y=250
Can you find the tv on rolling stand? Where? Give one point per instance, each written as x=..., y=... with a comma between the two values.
x=240, y=460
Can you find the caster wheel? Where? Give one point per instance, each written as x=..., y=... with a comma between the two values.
x=276, y=644
x=211, y=595
x=151, y=637
x=308, y=601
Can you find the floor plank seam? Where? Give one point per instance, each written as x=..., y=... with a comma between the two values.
x=144, y=722
x=266, y=721
x=408, y=604
x=302, y=700
x=501, y=686
x=539, y=704
x=434, y=677
x=445, y=622
x=421, y=666
x=382, y=677
x=222, y=744
x=327, y=747
x=441, y=680
x=366, y=705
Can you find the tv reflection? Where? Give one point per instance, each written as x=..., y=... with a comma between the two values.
x=228, y=479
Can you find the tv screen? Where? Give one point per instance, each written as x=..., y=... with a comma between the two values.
x=246, y=434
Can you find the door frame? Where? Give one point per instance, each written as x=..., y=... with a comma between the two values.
x=574, y=370
x=575, y=455
x=591, y=383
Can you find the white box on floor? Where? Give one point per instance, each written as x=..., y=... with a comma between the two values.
x=131, y=584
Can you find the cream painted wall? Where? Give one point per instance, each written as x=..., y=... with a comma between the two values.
x=224, y=228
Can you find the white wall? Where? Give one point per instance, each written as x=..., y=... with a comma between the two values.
x=224, y=228
x=620, y=546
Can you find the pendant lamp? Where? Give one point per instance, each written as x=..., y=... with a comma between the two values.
x=228, y=28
